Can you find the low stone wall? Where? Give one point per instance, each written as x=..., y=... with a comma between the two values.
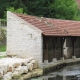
x=54, y=66
x=17, y=68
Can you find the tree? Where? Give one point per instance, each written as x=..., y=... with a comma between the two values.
x=65, y=9
x=6, y=4
x=20, y=10
x=39, y=7
x=19, y=4
x=3, y=5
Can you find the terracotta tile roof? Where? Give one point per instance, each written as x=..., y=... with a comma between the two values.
x=53, y=27
x=71, y=27
x=78, y=1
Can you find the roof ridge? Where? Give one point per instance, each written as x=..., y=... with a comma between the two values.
x=63, y=20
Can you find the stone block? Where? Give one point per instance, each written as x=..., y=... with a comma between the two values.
x=16, y=74
x=25, y=69
x=30, y=66
x=19, y=69
x=11, y=68
x=26, y=61
x=26, y=76
x=35, y=64
x=1, y=73
x=7, y=76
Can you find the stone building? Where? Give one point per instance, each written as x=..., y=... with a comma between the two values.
x=45, y=39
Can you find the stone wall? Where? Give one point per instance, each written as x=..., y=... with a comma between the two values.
x=23, y=39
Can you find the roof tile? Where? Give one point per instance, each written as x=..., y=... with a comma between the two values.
x=53, y=27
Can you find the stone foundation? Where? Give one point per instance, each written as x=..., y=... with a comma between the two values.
x=17, y=68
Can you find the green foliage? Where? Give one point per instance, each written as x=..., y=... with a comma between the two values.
x=78, y=15
x=2, y=35
x=20, y=10
x=64, y=9
x=0, y=58
x=40, y=7
x=3, y=5
x=2, y=48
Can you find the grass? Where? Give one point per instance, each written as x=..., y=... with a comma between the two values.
x=2, y=48
x=2, y=57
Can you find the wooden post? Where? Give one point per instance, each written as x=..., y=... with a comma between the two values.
x=54, y=47
x=73, y=39
x=46, y=48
